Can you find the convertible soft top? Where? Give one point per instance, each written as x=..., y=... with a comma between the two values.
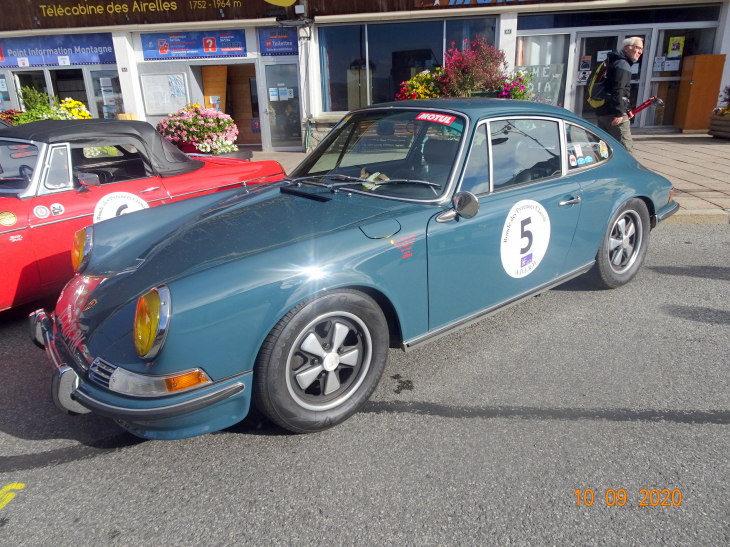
x=166, y=160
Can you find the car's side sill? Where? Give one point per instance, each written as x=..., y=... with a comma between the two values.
x=408, y=345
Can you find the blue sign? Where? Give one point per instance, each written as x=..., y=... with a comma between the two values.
x=57, y=50
x=194, y=45
x=278, y=41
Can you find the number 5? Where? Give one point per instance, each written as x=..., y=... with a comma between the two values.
x=526, y=234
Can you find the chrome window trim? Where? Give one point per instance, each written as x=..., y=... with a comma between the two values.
x=163, y=325
x=61, y=220
x=584, y=167
x=529, y=183
x=479, y=124
x=446, y=195
x=32, y=189
x=13, y=230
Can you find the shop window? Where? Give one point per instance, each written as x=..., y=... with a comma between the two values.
x=342, y=56
x=546, y=57
x=107, y=93
x=464, y=31
x=4, y=94
x=399, y=51
x=69, y=83
x=524, y=151
x=620, y=17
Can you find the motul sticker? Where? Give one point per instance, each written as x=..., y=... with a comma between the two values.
x=438, y=118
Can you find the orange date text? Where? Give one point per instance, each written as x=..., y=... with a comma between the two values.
x=647, y=497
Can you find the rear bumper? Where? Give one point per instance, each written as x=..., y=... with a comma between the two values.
x=667, y=211
x=175, y=416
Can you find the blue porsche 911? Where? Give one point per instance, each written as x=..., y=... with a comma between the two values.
x=289, y=296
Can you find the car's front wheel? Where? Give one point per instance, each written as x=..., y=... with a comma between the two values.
x=322, y=361
x=624, y=246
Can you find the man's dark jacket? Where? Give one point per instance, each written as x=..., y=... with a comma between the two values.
x=618, y=85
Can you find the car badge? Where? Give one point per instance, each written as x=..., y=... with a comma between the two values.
x=41, y=211
x=7, y=218
x=90, y=305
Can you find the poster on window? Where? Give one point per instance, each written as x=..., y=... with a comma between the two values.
x=163, y=93
x=194, y=45
x=546, y=82
x=676, y=46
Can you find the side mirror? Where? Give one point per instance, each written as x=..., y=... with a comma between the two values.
x=464, y=204
x=87, y=180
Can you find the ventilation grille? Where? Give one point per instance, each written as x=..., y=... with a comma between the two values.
x=101, y=372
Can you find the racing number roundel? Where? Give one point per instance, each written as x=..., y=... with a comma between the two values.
x=525, y=238
x=117, y=204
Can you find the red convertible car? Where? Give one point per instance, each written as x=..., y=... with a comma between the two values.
x=58, y=176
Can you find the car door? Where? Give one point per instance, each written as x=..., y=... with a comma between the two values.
x=62, y=206
x=521, y=235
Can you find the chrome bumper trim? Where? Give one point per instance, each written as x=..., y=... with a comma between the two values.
x=666, y=214
x=160, y=413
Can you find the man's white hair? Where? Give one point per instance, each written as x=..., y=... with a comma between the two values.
x=631, y=41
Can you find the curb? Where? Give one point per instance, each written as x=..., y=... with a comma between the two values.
x=699, y=216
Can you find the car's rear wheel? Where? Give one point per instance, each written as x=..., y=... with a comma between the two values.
x=623, y=247
x=322, y=361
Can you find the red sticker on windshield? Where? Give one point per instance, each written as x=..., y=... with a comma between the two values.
x=438, y=118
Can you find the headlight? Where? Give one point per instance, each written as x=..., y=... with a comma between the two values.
x=143, y=385
x=81, y=249
x=151, y=322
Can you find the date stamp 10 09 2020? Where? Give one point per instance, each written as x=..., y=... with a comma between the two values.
x=647, y=498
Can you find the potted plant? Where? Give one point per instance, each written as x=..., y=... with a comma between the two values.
x=720, y=117
x=198, y=129
x=516, y=86
x=424, y=85
x=40, y=106
x=10, y=115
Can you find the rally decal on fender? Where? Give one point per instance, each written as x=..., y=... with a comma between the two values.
x=525, y=238
x=117, y=204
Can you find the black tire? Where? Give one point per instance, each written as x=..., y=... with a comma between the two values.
x=300, y=382
x=623, y=247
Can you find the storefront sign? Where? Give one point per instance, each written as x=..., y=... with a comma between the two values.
x=466, y=3
x=58, y=50
x=194, y=45
x=278, y=41
x=546, y=82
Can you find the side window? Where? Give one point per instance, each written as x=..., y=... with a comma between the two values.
x=524, y=151
x=112, y=163
x=58, y=174
x=102, y=152
x=585, y=148
x=476, y=174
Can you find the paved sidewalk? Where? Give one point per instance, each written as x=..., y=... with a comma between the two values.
x=697, y=165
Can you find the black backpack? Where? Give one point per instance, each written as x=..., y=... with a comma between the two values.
x=597, y=93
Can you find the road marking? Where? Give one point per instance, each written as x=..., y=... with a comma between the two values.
x=6, y=493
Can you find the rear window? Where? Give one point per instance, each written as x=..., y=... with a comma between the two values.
x=17, y=165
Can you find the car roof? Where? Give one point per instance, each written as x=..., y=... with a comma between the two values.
x=163, y=156
x=480, y=108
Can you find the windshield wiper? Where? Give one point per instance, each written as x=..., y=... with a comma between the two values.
x=400, y=181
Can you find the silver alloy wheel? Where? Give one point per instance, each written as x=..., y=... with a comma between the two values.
x=328, y=361
x=624, y=242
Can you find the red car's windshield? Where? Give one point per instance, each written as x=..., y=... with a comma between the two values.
x=17, y=164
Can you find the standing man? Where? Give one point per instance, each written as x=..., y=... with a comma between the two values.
x=613, y=115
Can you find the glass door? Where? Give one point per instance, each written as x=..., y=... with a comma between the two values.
x=282, y=114
x=593, y=49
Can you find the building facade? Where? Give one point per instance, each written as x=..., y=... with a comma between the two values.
x=287, y=70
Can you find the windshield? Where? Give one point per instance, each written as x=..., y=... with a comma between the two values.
x=395, y=153
x=17, y=163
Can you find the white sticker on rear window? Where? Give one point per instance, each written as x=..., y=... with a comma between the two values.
x=525, y=238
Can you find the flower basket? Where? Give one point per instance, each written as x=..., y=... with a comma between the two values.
x=188, y=147
x=198, y=129
x=720, y=126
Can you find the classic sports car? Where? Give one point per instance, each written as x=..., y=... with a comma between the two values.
x=290, y=295
x=58, y=176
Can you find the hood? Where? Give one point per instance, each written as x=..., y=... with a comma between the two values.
x=238, y=226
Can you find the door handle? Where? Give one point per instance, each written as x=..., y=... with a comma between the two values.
x=150, y=189
x=570, y=201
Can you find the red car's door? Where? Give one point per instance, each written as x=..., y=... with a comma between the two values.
x=60, y=209
x=19, y=276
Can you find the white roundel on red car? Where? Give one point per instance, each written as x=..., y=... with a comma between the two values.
x=525, y=238
x=117, y=204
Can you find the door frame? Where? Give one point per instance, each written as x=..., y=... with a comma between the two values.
x=621, y=34
x=263, y=91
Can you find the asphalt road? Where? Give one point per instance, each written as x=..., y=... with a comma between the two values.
x=480, y=438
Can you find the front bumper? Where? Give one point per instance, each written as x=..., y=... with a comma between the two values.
x=174, y=416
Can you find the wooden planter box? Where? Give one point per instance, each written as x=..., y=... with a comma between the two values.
x=720, y=126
